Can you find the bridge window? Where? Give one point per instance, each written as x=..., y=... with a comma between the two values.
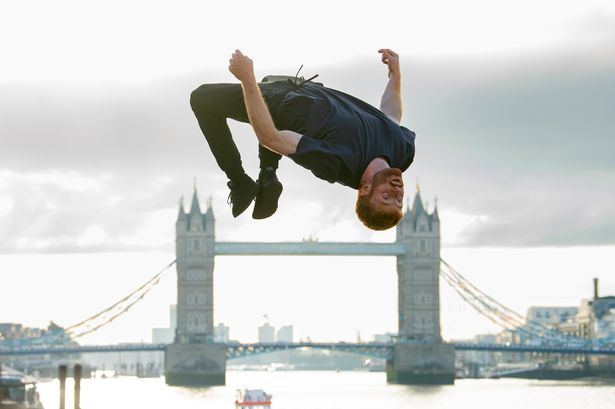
x=426, y=299
x=423, y=275
x=195, y=275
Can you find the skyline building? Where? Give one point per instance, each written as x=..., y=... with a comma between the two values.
x=221, y=333
x=285, y=335
x=166, y=335
x=551, y=315
x=266, y=333
x=387, y=337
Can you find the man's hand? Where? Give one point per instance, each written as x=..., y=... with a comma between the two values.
x=242, y=67
x=391, y=103
x=390, y=58
x=283, y=142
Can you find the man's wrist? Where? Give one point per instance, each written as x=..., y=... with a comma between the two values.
x=395, y=74
x=249, y=82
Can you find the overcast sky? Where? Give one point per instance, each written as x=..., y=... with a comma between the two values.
x=511, y=102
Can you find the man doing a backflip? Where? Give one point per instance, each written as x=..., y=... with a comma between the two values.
x=335, y=135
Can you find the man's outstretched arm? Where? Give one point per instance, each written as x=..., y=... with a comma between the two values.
x=283, y=142
x=391, y=103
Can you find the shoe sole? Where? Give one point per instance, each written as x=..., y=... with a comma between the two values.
x=266, y=205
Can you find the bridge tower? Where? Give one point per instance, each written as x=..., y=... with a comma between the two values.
x=420, y=356
x=193, y=358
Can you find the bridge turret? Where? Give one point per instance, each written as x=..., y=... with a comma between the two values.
x=419, y=356
x=417, y=204
x=435, y=217
x=193, y=358
x=418, y=274
x=435, y=228
x=210, y=221
x=182, y=217
x=195, y=216
x=405, y=225
x=181, y=229
x=195, y=255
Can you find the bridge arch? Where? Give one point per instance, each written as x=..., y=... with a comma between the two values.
x=371, y=350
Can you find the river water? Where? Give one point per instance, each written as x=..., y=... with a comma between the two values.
x=336, y=390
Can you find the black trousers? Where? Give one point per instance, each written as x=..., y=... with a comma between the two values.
x=213, y=104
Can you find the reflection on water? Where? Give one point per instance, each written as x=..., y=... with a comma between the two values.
x=336, y=390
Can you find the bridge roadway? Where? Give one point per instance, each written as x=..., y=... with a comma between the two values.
x=376, y=350
x=308, y=248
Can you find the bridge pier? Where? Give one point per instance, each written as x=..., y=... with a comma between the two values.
x=422, y=364
x=195, y=364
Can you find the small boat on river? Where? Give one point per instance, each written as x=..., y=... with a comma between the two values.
x=17, y=391
x=252, y=398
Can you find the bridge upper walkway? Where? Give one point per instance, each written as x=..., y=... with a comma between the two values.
x=308, y=248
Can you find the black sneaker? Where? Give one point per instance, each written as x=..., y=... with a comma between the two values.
x=242, y=194
x=267, y=198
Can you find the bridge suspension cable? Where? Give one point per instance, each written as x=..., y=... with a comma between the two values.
x=500, y=314
x=119, y=308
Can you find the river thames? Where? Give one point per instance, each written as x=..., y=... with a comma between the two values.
x=336, y=390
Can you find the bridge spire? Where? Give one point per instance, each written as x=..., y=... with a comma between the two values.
x=181, y=214
x=209, y=215
x=417, y=206
x=195, y=208
x=435, y=215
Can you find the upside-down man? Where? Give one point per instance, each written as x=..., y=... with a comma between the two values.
x=335, y=135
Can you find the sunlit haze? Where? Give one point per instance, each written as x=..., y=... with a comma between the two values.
x=510, y=101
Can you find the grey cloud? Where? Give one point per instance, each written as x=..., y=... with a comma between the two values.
x=557, y=122
x=531, y=147
x=542, y=211
x=48, y=217
x=526, y=141
x=97, y=129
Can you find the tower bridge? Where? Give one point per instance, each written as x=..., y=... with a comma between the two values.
x=418, y=356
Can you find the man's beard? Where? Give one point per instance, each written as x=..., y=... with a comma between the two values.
x=392, y=174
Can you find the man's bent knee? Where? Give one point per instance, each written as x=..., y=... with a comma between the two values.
x=200, y=98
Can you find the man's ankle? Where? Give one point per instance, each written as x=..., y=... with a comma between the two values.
x=236, y=179
x=267, y=169
x=267, y=173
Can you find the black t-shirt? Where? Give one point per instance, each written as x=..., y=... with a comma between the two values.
x=342, y=134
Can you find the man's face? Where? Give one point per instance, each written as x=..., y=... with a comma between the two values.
x=387, y=190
